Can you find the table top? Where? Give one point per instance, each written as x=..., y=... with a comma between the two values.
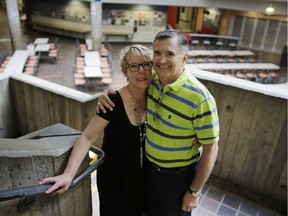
x=92, y=58
x=220, y=53
x=201, y=53
x=42, y=47
x=17, y=62
x=41, y=40
x=194, y=35
x=243, y=52
x=228, y=66
x=93, y=72
x=223, y=52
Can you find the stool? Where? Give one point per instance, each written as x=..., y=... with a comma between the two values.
x=219, y=44
x=232, y=46
x=106, y=70
x=79, y=76
x=79, y=82
x=106, y=75
x=206, y=44
x=80, y=70
x=107, y=80
x=105, y=65
x=195, y=43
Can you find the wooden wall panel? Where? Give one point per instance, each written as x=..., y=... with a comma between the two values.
x=37, y=108
x=253, y=141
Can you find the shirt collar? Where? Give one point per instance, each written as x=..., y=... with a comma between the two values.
x=177, y=84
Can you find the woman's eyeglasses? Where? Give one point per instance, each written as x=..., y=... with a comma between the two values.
x=135, y=67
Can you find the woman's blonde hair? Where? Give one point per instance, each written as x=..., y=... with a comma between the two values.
x=137, y=49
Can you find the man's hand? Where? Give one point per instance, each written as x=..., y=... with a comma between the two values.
x=189, y=202
x=104, y=101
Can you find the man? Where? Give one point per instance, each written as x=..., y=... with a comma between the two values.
x=180, y=112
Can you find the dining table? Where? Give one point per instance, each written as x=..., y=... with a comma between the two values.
x=223, y=53
x=243, y=53
x=17, y=62
x=193, y=53
x=236, y=66
x=92, y=58
x=93, y=72
x=41, y=40
x=42, y=48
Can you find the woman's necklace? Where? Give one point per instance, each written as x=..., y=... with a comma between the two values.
x=142, y=130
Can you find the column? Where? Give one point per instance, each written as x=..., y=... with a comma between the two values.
x=14, y=24
x=96, y=19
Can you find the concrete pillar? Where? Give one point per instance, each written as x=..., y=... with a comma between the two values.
x=96, y=19
x=27, y=160
x=14, y=24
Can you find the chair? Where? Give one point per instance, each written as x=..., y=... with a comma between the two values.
x=80, y=59
x=195, y=43
x=53, y=51
x=104, y=53
x=31, y=64
x=80, y=65
x=239, y=74
x=232, y=46
x=80, y=70
x=105, y=65
x=106, y=81
x=34, y=57
x=106, y=75
x=29, y=70
x=219, y=44
x=79, y=76
x=79, y=82
x=83, y=49
x=53, y=56
x=206, y=44
x=106, y=70
x=54, y=45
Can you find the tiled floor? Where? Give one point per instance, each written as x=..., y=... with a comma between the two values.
x=214, y=199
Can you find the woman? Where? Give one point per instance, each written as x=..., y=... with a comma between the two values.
x=120, y=178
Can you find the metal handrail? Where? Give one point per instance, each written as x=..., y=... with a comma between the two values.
x=40, y=189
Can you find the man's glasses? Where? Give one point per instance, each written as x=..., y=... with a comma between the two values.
x=135, y=67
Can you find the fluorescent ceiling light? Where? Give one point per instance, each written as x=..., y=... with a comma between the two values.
x=269, y=10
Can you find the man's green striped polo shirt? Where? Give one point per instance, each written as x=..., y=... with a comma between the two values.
x=176, y=116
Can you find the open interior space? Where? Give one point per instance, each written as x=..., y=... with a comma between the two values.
x=250, y=87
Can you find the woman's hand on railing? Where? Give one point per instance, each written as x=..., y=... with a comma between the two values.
x=61, y=184
x=53, y=185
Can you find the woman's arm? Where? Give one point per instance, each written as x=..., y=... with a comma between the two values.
x=61, y=183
